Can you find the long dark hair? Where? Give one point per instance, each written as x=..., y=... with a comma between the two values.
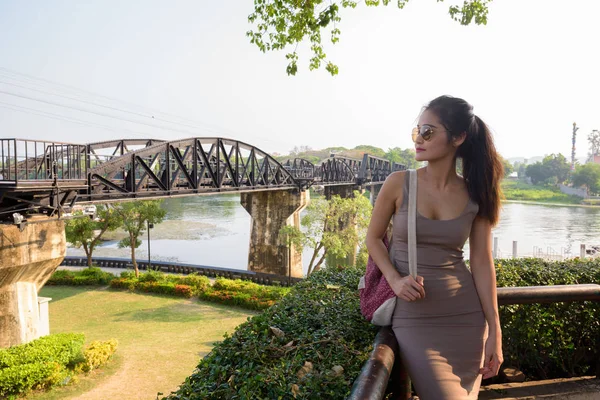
x=481, y=164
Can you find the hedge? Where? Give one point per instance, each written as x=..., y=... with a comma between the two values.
x=225, y=291
x=85, y=277
x=49, y=361
x=550, y=340
x=291, y=349
x=236, y=292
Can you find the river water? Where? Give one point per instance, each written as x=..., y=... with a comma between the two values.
x=215, y=231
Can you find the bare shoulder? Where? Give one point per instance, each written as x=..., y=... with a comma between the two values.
x=391, y=194
x=396, y=178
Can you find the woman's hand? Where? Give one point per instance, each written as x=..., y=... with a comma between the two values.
x=493, y=354
x=409, y=289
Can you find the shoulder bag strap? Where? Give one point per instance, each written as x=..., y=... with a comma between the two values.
x=412, y=228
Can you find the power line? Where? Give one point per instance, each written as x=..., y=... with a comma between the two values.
x=95, y=112
x=105, y=106
x=33, y=80
x=72, y=88
x=66, y=119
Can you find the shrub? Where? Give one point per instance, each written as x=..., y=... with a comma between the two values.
x=550, y=340
x=254, y=289
x=123, y=283
x=63, y=348
x=128, y=274
x=39, y=364
x=151, y=276
x=234, y=298
x=199, y=282
x=183, y=291
x=98, y=353
x=61, y=277
x=316, y=322
x=320, y=322
x=87, y=276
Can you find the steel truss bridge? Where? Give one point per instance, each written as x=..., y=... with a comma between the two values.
x=49, y=177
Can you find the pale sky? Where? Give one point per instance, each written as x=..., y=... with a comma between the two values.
x=530, y=73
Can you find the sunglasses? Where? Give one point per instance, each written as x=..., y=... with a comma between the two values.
x=425, y=131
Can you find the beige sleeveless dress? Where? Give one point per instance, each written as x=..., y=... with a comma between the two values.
x=442, y=336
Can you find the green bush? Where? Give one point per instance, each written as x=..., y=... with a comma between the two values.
x=316, y=322
x=320, y=322
x=152, y=276
x=39, y=364
x=85, y=277
x=550, y=340
x=63, y=348
x=128, y=274
x=198, y=282
x=251, y=288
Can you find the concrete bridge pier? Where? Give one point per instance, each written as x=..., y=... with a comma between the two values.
x=374, y=192
x=28, y=257
x=271, y=211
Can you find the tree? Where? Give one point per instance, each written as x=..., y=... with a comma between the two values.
x=135, y=215
x=371, y=150
x=85, y=232
x=508, y=167
x=331, y=228
x=557, y=167
x=587, y=175
x=403, y=156
x=552, y=170
x=282, y=23
x=536, y=172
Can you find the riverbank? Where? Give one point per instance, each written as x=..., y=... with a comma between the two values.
x=544, y=203
x=521, y=191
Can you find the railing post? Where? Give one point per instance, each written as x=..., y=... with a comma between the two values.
x=582, y=251
x=495, y=247
x=514, y=249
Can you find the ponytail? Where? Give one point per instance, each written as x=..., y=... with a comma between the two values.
x=482, y=167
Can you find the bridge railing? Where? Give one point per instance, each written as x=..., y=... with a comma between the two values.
x=374, y=382
x=31, y=160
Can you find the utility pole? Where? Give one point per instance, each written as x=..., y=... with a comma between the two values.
x=575, y=128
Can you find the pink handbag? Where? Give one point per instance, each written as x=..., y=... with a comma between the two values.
x=377, y=299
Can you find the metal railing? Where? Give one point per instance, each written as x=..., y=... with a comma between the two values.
x=183, y=268
x=41, y=160
x=374, y=382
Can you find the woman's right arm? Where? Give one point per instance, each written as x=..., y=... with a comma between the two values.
x=389, y=197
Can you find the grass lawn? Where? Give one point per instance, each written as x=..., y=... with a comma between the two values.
x=161, y=339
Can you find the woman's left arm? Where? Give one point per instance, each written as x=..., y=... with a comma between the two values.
x=484, y=275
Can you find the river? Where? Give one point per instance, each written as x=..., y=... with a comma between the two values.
x=215, y=231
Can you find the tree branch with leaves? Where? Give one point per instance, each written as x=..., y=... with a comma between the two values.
x=284, y=24
x=331, y=228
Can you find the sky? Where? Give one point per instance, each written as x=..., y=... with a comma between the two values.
x=86, y=71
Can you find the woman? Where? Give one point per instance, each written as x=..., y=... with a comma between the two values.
x=446, y=320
